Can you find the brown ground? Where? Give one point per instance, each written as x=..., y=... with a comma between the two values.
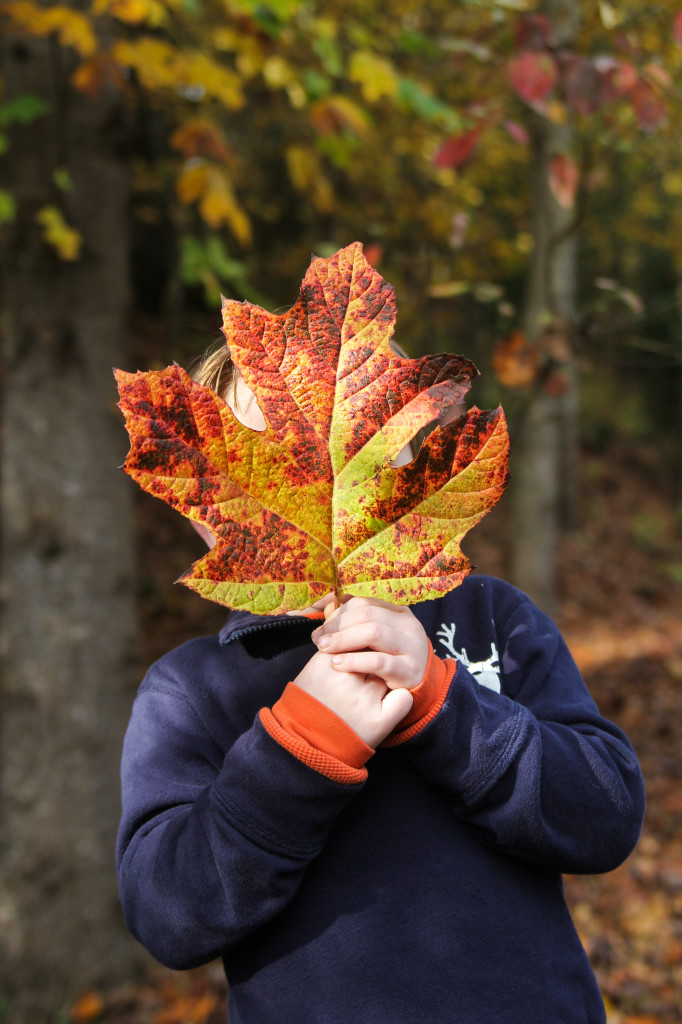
x=621, y=613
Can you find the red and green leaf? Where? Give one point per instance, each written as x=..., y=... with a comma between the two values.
x=312, y=503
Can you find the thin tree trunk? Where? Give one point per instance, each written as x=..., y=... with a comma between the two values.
x=68, y=631
x=678, y=489
x=544, y=458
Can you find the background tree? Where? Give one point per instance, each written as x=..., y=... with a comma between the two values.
x=68, y=591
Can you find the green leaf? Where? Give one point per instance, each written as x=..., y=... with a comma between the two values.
x=315, y=84
x=8, y=207
x=339, y=149
x=62, y=179
x=417, y=44
x=23, y=110
x=449, y=289
x=210, y=265
x=470, y=46
x=414, y=96
x=329, y=52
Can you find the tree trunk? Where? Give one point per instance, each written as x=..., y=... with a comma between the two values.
x=544, y=453
x=68, y=627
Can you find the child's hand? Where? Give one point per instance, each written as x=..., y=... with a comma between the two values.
x=369, y=707
x=375, y=638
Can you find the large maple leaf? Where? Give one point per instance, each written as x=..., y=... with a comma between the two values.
x=312, y=503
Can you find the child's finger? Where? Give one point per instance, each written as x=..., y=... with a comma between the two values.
x=375, y=635
x=351, y=614
x=330, y=609
x=394, y=671
x=395, y=706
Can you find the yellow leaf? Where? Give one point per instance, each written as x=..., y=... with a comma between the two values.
x=297, y=95
x=211, y=188
x=132, y=12
x=524, y=243
x=60, y=235
x=248, y=50
x=249, y=57
x=672, y=183
x=555, y=111
x=192, y=182
x=609, y=1009
x=74, y=30
x=335, y=112
x=227, y=39
x=218, y=206
x=71, y=28
x=324, y=28
x=157, y=64
x=302, y=164
x=375, y=75
x=307, y=176
x=610, y=16
x=277, y=72
x=221, y=83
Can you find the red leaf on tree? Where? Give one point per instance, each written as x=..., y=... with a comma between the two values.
x=677, y=28
x=657, y=75
x=201, y=136
x=620, y=80
x=533, y=32
x=312, y=503
x=515, y=361
x=582, y=84
x=556, y=384
x=456, y=150
x=533, y=76
x=374, y=254
x=518, y=132
x=648, y=106
x=564, y=176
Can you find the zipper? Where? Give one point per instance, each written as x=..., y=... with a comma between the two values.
x=261, y=627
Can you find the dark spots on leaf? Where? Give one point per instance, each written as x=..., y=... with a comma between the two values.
x=331, y=346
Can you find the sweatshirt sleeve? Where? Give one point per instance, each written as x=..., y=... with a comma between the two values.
x=211, y=844
x=535, y=769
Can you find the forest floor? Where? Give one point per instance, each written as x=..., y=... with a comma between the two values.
x=621, y=613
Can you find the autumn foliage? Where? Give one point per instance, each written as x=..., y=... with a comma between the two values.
x=313, y=503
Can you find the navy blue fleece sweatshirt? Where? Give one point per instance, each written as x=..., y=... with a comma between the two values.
x=431, y=892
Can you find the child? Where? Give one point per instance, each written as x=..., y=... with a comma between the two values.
x=365, y=831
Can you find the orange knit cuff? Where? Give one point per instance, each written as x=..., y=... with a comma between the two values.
x=314, y=734
x=429, y=697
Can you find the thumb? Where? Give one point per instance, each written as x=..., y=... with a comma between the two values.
x=395, y=705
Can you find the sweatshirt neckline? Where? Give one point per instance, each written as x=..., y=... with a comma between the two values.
x=241, y=624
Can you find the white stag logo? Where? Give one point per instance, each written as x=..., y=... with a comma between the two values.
x=487, y=672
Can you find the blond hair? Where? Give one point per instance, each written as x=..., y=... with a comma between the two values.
x=216, y=370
